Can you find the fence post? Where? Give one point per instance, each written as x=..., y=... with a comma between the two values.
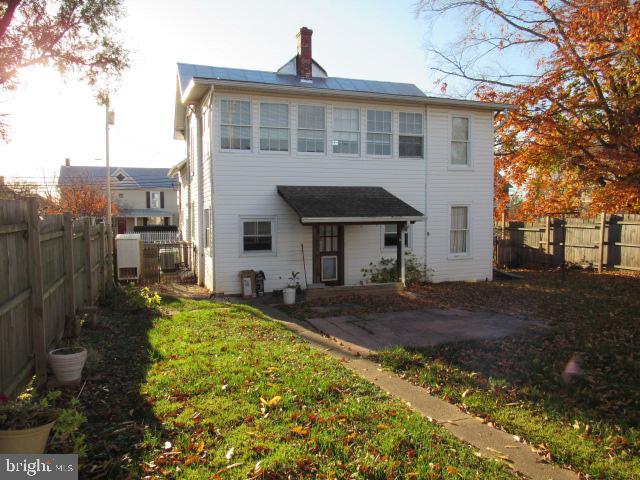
x=603, y=220
x=547, y=233
x=69, y=281
x=86, y=229
x=37, y=293
x=103, y=260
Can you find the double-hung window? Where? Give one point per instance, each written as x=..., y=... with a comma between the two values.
x=235, y=125
x=378, y=132
x=207, y=227
x=257, y=235
x=411, y=139
x=155, y=200
x=459, y=141
x=311, y=128
x=274, y=127
x=459, y=233
x=346, y=131
x=391, y=236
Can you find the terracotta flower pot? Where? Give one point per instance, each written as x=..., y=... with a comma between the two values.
x=27, y=440
x=67, y=364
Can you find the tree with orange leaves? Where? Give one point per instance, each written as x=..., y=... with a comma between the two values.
x=573, y=140
x=79, y=197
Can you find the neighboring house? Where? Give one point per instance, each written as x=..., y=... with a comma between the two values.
x=145, y=196
x=291, y=166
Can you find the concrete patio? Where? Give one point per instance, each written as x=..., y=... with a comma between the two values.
x=416, y=328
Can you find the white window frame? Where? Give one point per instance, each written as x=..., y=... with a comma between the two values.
x=297, y=110
x=288, y=128
x=334, y=130
x=419, y=135
x=408, y=243
x=208, y=230
x=274, y=235
x=469, y=164
x=152, y=197
x=461, y=255
x=390, y=133
x=322, y=277
x=221, y=124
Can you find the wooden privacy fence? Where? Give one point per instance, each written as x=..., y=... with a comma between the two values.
x=49, y=268
x=608, y=241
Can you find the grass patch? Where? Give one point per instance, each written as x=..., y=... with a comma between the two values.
x=590, y=421
x=218, y=390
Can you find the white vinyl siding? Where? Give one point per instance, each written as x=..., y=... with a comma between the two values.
x=459, y=141
x=235, y=125
x=346, y=131
x=459, y=232
x=311, y=129
x=274, y=127
x=379, y=134
x=411, y=138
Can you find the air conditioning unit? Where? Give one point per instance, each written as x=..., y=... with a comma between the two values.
x=130, y=251
x=168, y=259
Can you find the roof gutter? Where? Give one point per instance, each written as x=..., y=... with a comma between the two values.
x=369, y=220
x=173, y=171
x=450, y=102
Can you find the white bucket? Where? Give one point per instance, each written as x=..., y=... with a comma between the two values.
x=67, y=366
x=289, y=295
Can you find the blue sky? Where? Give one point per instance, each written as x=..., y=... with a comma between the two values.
x=52, y=119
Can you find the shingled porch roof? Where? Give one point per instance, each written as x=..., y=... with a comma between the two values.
x=364, y=205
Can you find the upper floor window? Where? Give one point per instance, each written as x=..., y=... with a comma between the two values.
x=155, y=200
x=459, y=141
x=346, y=131
x=274, y=127
x=459, y=233
x=235, y=125
x=410, y=141
x=378, y=132
x=311, y=128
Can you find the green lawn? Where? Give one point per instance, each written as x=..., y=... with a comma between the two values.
x=217, y=390
x=591, y=422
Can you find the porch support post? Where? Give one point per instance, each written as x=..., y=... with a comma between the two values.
x=400, y=267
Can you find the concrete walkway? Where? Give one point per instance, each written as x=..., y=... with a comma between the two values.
x=489, y=441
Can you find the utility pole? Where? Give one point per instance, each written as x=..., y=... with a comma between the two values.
x=109, y=119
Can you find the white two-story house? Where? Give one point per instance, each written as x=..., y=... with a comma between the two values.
x=145, y=196
x=295, y=170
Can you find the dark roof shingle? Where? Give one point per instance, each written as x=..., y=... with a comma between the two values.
x=365, y=203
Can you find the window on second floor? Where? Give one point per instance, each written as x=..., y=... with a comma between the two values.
x=459, y=141
x=274, y=127
x=311, y=128
x=155, y=200
x=378, y=132
x=235, y=125
x=410, y=141
x=346, y=131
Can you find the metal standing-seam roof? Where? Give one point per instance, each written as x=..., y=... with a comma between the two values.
x=135, y=177
x=188, y=72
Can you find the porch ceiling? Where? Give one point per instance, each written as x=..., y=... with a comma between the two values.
x=330, y=204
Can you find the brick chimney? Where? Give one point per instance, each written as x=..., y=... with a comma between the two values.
x=67, y=162
x=304, y=59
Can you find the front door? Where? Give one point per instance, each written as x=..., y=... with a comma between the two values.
x=122, y=225
x=328, y=254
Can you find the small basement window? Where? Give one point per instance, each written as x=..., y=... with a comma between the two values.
x=257, y=235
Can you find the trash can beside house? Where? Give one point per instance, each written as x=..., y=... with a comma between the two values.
x=248, y=283
x=260, y=276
